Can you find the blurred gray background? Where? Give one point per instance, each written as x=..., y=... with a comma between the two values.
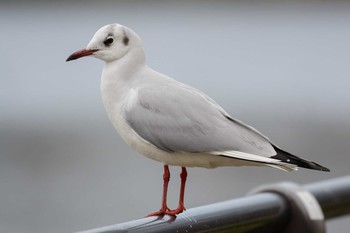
x=281, y=66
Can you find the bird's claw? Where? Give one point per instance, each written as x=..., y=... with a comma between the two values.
x=168, y=211
x=160, y=212
x=177, y=211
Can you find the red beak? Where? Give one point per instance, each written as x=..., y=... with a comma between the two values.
x=81, y=53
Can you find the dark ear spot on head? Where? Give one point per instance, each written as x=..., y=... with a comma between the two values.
x=126, y=40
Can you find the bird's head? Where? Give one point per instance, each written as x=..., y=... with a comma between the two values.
x=110, y=43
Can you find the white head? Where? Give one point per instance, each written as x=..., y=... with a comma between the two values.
x=110, y=43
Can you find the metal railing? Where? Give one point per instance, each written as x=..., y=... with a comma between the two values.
x=282, y=207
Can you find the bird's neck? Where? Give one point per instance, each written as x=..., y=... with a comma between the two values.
x=118, y=77
x=126, y=66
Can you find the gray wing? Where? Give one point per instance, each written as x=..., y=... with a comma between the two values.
x=177, y=118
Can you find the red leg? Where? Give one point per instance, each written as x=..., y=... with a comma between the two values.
x=181, y=206
x=164, y=208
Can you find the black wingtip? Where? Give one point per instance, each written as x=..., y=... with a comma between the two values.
x=316, y=166
x=289, y=158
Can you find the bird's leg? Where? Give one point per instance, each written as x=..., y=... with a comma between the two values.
x=181, y=206
x=164, y=208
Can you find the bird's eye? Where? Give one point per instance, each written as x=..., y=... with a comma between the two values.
x=108, y=41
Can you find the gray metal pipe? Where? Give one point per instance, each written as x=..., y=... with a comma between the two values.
x=332, y=195
x=263, y=212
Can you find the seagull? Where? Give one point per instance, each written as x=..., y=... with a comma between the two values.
x=171, y=122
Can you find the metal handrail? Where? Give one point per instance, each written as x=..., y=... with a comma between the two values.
x=261, y=212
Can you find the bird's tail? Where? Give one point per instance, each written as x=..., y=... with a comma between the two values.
x=292, y=159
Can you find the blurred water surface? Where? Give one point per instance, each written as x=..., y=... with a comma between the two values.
x=282, y=67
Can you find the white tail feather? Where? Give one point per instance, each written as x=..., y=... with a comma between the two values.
x=257, y=158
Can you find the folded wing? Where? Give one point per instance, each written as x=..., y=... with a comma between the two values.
x=181, y=119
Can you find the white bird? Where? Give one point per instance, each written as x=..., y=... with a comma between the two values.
x=171, y=122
